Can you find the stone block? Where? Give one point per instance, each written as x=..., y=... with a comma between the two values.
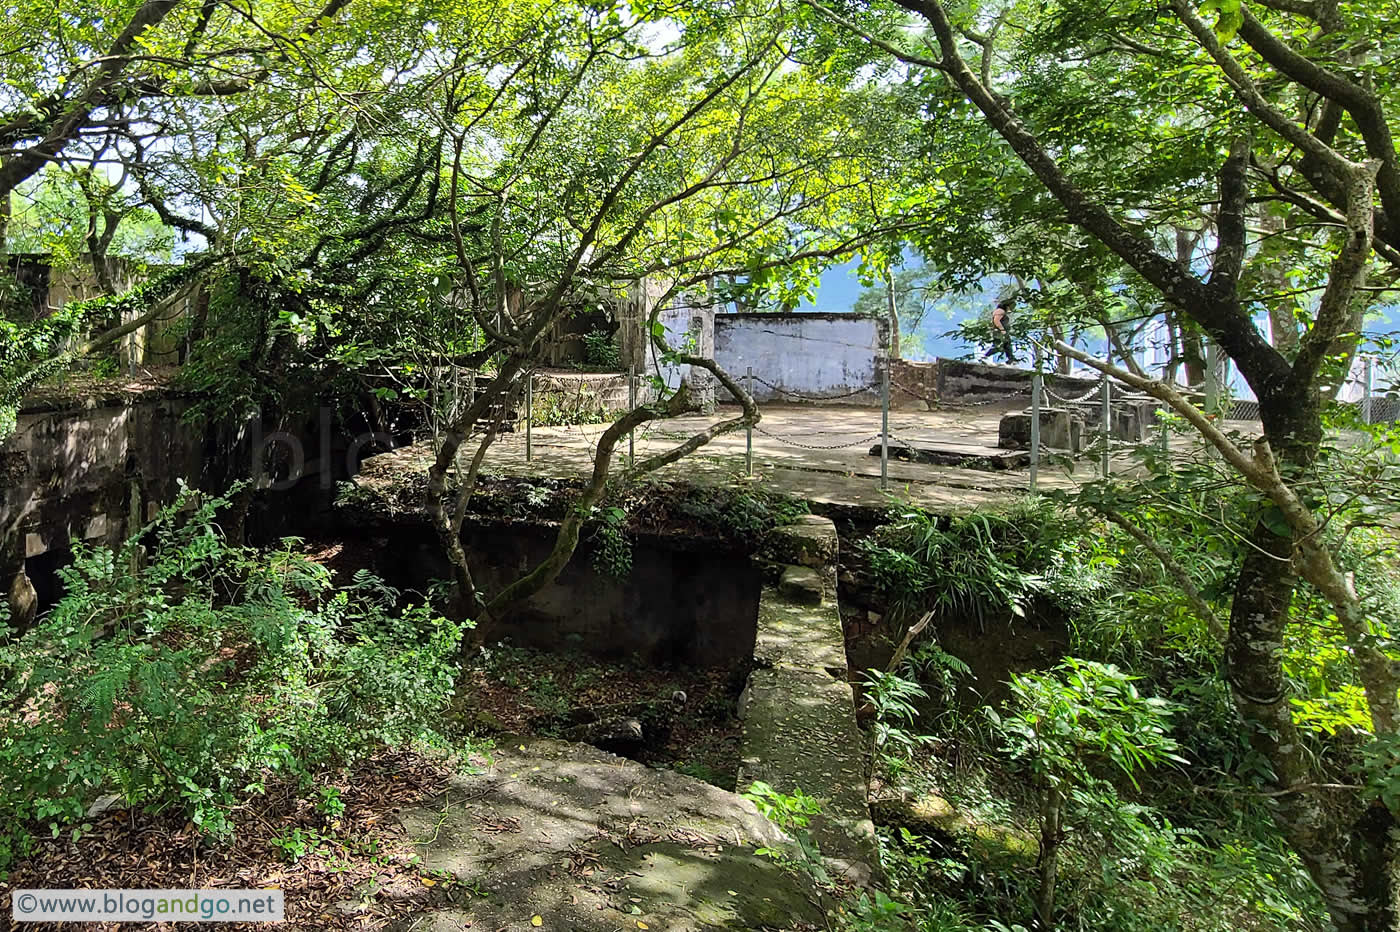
x=1059, y=429
x=812, y=541
x=801, y=584
x=799, y=636
x=800, y=732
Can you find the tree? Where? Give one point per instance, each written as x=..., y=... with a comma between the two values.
x=401, y=202
x=1129, y=118
x=731, y=178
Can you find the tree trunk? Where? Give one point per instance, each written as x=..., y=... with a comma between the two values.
x=1174, y=341
x=1193, y=356
x=1051, y=813
x=6, y=211
x=893, y=316
x=1344, y=843
x=1063, y=363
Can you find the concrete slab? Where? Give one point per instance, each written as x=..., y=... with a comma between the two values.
x=820, y=453
x=588, y=841
x=799, y=732
x=935, y=453
x=800, y=637
x=803, y=585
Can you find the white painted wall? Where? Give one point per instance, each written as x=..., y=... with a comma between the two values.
x=812, y=354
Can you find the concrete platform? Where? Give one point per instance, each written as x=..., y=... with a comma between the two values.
x=568, y=838
x=936, y=453
x=821, y=454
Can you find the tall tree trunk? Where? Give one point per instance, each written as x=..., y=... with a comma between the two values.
x=1283, y=325
x=6, y=212
x=893, y=315
x=1173, y=362
x=1193, y=356
x=1345, y=843
x=1051, y=816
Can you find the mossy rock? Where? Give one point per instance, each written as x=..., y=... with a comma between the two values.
x=935, y=816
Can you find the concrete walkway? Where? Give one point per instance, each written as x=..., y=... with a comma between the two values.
x=798, y=708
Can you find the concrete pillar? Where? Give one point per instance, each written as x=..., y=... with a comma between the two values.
x=702, y=331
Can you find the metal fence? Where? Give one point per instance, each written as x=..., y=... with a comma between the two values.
x=1101, y=401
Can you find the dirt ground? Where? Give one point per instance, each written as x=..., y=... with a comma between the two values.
x=510, y=692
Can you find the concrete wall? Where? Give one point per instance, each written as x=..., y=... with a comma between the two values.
x=973, y=382
x=88, y=468
x=829, y=356
x=158, y=343
x=690, y=328
x=94, y=462
x=69, y=468
x=680, y=604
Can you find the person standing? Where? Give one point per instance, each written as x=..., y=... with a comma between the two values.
x=1001, y=332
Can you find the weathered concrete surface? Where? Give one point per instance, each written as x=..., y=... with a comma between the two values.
x=588, y=841
x=800, y=733
x=1059, y=429
x=802, y=584
x=70, y=465
x=976, y=382
x=88, y=457
x=680, y=603
x=798, y=712
x=1129, y=420
x=807, y=542
x=993, y=459
x=914, y=384
x=796, y=636
x=842, y=474
x=807, y=354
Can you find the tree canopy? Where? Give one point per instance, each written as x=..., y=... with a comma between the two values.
x=365, y=190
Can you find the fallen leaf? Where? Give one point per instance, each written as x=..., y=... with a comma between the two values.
x=536, y=920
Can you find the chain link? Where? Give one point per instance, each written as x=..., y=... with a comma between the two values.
x=1049, y=393
x=812, y=446
x=930, y=398
x=807, y=397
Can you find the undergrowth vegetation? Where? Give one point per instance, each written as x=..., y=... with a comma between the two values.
x=1116, y=791
x=180, y=672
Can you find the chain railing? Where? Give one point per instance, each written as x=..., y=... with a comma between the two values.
x=1094, y=389
x=814, y=446
x=1103, y=393
x=805, y=396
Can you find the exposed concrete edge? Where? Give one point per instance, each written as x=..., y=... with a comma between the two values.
x=798, y=708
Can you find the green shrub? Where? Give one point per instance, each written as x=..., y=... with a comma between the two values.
x=987, y=560
x=204, y=674
x=600, y=351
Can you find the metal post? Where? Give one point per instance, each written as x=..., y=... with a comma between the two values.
x=1368, y=376
x=885, y=424
x=529, y=415
x=632, y=406
x=1107, y=427
x=1037, y=380
x=748, y=429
